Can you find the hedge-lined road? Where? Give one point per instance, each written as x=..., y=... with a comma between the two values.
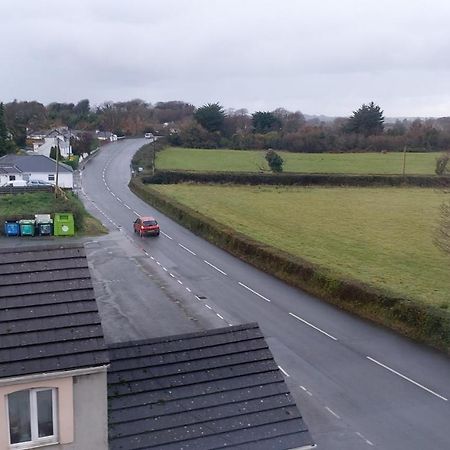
x=357, y=385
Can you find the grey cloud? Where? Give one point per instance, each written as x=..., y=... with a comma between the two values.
x=318, y=57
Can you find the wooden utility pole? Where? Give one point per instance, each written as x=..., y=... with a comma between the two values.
x=154, y=156
x=404, y=161
x=57, y=166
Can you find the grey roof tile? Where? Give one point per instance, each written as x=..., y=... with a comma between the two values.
x=48, y=314
x=33, y=163
x=201, y=391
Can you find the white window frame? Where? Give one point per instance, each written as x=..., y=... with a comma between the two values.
x=35, y=439
x=51, y=177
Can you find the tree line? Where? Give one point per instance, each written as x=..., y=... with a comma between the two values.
x=211, y=126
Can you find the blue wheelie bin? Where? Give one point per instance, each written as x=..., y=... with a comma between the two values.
x=12, y=228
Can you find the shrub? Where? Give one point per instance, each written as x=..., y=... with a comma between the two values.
x=275, y=161
x=441, y=164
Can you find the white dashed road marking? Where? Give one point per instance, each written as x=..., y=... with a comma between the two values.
x=188, y=250
x=313, y=326
x=254, y=292
x=332, y=412
x=407, y=379
x=363, y=438
x=214, y=267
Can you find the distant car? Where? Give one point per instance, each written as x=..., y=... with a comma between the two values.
x=16, y=183
x=146, y=225
x=148, y=135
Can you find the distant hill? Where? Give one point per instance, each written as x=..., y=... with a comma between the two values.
x=322, y=118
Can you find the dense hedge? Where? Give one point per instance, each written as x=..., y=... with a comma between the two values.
x=291, y=179
x=422, y=322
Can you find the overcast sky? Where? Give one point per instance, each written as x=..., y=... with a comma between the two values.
x=316, y=56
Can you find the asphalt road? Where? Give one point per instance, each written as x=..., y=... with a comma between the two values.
x=358, y=385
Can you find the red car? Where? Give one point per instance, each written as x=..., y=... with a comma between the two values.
x=146, y=225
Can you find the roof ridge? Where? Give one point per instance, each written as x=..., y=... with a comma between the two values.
x=178, y=337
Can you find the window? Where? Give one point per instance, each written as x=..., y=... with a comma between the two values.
x=12, y=177
x=51, y=177
x=32, y=417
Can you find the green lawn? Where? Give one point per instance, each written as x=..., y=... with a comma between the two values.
x=252, y=161
x=382, y=236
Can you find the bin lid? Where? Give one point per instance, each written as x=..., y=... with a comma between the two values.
x=63, y=216
x=42, y=218
x=27, y=221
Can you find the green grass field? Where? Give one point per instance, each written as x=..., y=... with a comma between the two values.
x=381, y=236
x=253, y=161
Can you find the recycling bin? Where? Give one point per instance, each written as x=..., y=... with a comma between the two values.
x=63, y=224
x=44, y=224
x=12, y=228
x=27, y=227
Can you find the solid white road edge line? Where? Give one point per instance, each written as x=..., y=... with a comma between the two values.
x=313, y=326
x=254, y=292
x=407, y=379
x=214, y=267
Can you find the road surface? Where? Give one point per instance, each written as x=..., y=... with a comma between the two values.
x=358, y=385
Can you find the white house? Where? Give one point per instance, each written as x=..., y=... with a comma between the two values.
x=34, y=167
x=43, y=141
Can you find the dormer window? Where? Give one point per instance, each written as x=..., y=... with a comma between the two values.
x=32, y=418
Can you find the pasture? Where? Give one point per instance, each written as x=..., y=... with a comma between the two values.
x=219, y=160
x=380, y=236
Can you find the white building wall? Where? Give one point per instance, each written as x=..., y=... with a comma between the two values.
x=45, y=148
x=4, y=179
x=65, y=179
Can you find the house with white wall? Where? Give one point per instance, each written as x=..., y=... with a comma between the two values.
x=34, y=167
x=53, y=358
x=43, y=141
x=8, y=173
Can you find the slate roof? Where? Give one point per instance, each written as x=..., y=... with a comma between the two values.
x=8, y=168
x=33, y=163
x=49, y=319
x=207, y=390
